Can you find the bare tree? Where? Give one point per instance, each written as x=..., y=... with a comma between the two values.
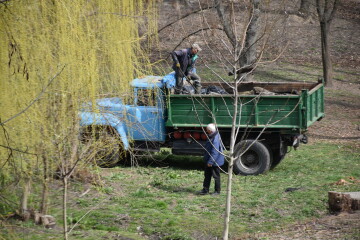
x=326, y=10
x=248, y=43
x=244, y=60
x=69, y=161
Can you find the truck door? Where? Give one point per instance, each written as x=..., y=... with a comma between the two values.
x=148, y=115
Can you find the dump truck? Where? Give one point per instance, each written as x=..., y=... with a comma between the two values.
x=271, y=118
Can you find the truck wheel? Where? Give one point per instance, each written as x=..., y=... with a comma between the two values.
x=278, y=155
x=103, y=148
x=256, y=160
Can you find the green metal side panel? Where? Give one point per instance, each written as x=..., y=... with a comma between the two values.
x=259, y=112
x=314, y=105
x=278, y=111
x=269, y=111
x=187, y=111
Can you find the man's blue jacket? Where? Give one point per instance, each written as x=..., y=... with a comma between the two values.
x=213, y=150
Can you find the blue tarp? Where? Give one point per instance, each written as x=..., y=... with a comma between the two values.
x=169, y=80
x=148, y=82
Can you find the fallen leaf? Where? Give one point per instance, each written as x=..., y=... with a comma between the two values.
x=342, y=182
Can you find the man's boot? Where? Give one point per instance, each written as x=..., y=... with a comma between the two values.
x=204, y=191
x=197, y=86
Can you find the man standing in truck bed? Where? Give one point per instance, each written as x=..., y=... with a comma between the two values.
x=184, y=66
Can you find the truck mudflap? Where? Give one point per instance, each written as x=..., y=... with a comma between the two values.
x=105, y=119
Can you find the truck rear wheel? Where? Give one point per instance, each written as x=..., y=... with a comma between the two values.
x=255, y=160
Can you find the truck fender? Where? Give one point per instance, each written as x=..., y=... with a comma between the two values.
x=105, y=119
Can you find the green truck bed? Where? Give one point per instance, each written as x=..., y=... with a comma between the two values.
x=292, y=106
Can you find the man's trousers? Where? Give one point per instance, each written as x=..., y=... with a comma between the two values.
x=213, y=171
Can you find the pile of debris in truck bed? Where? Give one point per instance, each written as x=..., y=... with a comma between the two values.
x=244, y=88
x=218, y=90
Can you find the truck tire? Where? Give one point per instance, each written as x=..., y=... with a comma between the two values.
x=256, y=160
x=103, y=148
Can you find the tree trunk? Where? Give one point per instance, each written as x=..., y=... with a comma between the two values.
x=327, y=65
x=304, y=9
x=248, y=54
x=24, y=200
x=67, y=168
x=228, y=200
x=65, y=183
x=230, y=167
x=326, y=10
x=45, y=190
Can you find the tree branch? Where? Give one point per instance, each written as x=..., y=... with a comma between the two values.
x=17, y=150
x=331, y=13
x=193, y=33
x=225, y=21
x=185, y=16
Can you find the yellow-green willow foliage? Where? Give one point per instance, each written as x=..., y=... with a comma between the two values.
x=54, y=56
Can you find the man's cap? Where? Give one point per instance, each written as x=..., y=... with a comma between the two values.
x=211, y=127
x=196, y=46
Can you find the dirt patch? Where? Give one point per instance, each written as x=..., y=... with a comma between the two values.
x=342, y=115
x=342, y=226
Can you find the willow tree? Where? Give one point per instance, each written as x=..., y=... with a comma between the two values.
x=56, y=55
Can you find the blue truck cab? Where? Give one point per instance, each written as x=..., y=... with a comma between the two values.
x=139, y=118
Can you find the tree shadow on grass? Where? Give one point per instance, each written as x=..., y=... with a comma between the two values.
x=184, y=162
x=340, y=103
x=176, y=189
x=333, y=137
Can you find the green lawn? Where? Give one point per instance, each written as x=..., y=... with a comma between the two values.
x=162, y=201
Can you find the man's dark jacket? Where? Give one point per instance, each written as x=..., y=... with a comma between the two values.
x=213, y=150
x=186, y=60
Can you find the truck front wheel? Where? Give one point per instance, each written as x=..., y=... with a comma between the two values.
x=251, y=158
x=103, y=148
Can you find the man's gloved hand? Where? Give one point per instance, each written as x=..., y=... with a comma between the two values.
x=178, y=65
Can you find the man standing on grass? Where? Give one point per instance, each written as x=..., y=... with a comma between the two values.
x=213, y=159
x=184, y=66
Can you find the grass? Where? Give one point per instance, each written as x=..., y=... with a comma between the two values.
x=162, y=201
